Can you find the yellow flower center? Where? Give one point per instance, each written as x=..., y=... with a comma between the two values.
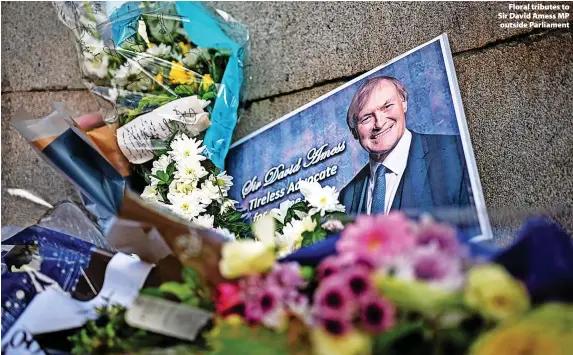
x=185, y=206
x=323, y=200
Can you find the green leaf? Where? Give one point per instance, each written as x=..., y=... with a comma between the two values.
x=384, y=341
x=152, y=291
x=190, y=277
x=311, y=237
x=209, y=95
x=184, y=90
x=181, y=291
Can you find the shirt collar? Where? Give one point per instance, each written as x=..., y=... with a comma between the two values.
x=398, y=158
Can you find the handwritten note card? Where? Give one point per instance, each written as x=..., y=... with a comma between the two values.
x=136, y=138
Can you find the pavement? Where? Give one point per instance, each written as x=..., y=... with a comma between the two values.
x=515, y=85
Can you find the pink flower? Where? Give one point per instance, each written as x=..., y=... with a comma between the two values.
x=286, y=275
x=383, y=237
x=442, y=235
x=333, y=295
x=334, y=323
x=270, y=299
x=228, y=299
x=377, y=314
x=357, y=280
x=329, y=266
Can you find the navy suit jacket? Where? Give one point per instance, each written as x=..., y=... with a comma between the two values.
x=435, y=176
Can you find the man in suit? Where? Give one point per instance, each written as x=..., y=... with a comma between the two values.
x=407, y=170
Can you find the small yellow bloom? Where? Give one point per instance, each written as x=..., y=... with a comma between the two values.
x=207, y=81
x=180, y=75
x=246, y=257
x=353, y=342
x=185, y=48
x=494, y=293
x=159, y=78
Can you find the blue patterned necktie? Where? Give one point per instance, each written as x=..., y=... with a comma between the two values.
x=379, y=193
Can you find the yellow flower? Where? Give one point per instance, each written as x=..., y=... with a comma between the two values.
x=180, y=75
x=246, y=257
x=353, y=342
x=494, y=293
x=185, y=48
x=159, y=78
x=547, y=330
x=206, y=82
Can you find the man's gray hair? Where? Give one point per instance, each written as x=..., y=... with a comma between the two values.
x=362, y=94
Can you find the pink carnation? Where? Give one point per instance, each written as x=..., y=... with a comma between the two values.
x=383, y=237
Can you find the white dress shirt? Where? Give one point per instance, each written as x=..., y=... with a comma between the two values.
x=395, y=164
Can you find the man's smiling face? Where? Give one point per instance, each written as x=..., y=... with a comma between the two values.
x=381, y=121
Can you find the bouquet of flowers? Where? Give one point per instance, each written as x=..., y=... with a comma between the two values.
x=142, y=56
x=392, y=286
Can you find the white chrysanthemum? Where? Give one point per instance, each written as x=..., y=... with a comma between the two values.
x=291, y=237
x=161, y=164
x=227, y=234
x=181, y=187
x=212, y=191
x=205, y=221
x=194, y=55
x=223, y=181
x=97, y=66
x=280, y=213
x=321, y=199
x=188, y=206
x=150, y=194
x=131, y=77
x=162, y=51
x=185, y=148
x=228, y=204
x=190, y=170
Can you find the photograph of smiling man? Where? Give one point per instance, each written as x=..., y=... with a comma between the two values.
x=394, y=138
x=406, y=170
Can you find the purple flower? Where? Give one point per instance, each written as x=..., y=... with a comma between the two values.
x=287, y=275
x=376, y=314
x=269, y=299
x=443, y=236
x=333, y=295
x=430, y=265
x=358, y=281
x=253, y=311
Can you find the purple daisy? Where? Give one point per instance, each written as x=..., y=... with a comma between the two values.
x=329, y=266
x=269, y=299
x=334, y=323
x=377, y=314
x=287, y=275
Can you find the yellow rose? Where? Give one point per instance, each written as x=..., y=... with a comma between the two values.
x=180, y=75
x=206, y=82
x=246, y=257
x=494, y=293
x=353, y=342
x=547, y=330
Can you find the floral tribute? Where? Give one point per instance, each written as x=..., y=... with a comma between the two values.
x=393, y=286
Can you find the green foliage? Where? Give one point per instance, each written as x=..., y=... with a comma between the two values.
x=384, y=341
x=191, y=292
x=234, y=222
x=110, y=334
x=185, y=90
x=311, y=237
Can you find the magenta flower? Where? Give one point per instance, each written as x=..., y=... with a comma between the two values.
x=383, y=237
x=332, y=295
x=329, y=266
x=443, y=236
x=269, y=299
x=334, y=323
x=357, y=280
x=377, y=314
x=253, y=311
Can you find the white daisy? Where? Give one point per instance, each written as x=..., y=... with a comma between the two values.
x=205, y=221
x=228, y=204
x=223, y=181
x=190, y=169
x=161, y=164
x=181, y=187
x=188, y=206
x=184, y=148
x=213, y=191
x=280, y=213
x=321, y=199
x=162, y=51
x=150, y=194
x=291, y=237
x=131, y=77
